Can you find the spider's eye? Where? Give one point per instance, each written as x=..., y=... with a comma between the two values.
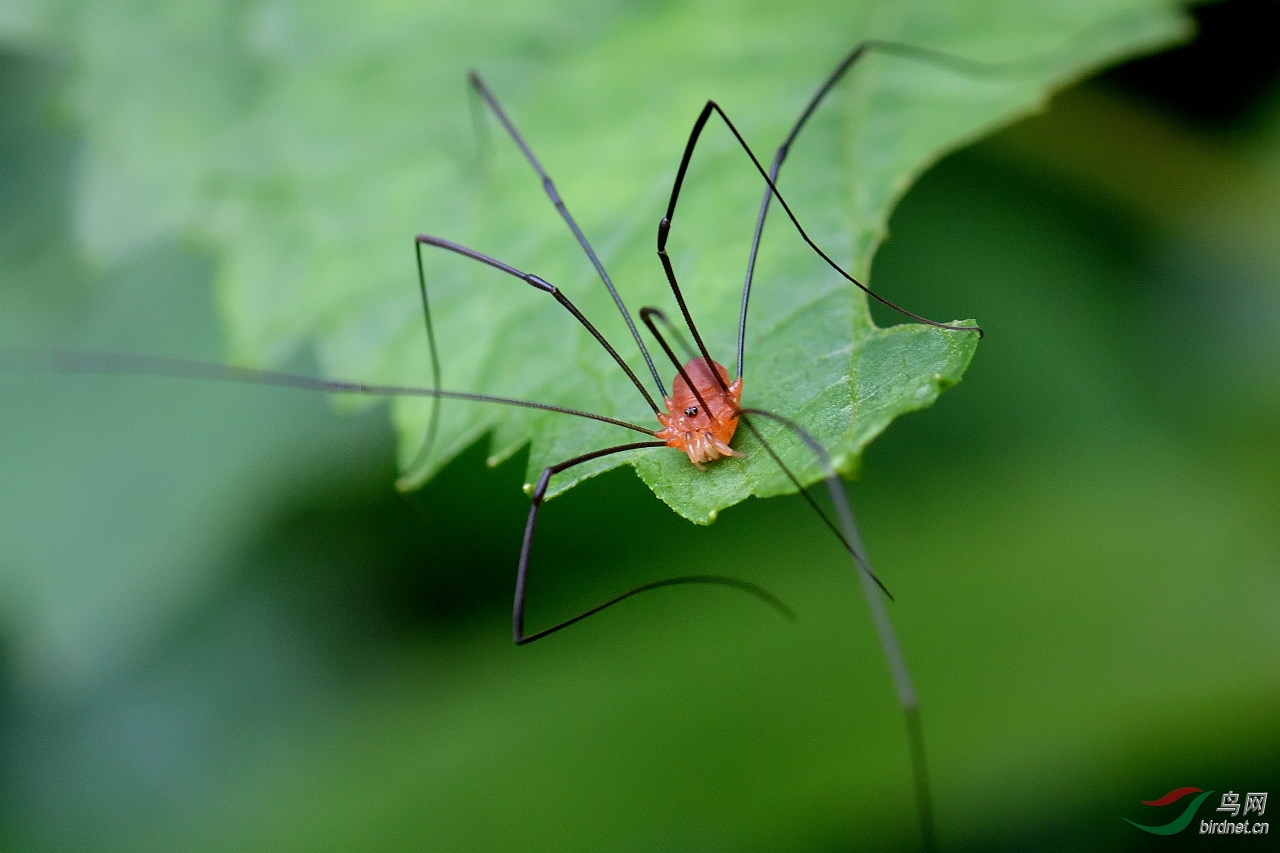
x=691, y=412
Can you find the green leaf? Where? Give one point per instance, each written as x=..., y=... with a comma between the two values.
x=305, y=143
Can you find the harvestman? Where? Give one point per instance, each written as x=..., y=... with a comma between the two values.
x=704, y=408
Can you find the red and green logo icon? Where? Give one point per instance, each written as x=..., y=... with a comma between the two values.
x=1183, y=820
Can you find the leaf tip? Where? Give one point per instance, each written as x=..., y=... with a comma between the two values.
x=844, y=465
x=407, y=482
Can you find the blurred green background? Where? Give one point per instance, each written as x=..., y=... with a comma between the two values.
x=1082, y=538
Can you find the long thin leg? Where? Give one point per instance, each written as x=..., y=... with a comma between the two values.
x=428, y=440
x=433, y=420
x=898, y=671
x=549, y=187
x=945, y=60
x=81, y=361
x=534, y=281
x=854, y=550
x=522, y=573
x=664, y=226
x=712, y=108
